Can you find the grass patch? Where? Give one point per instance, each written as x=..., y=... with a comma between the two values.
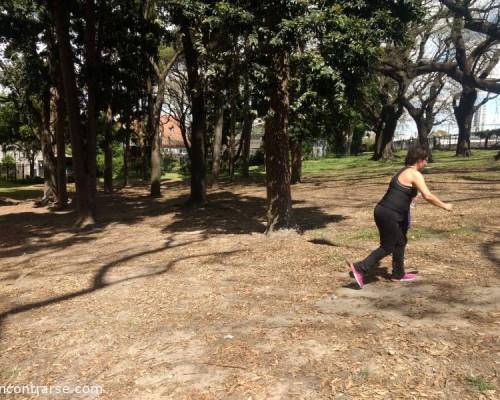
x=363, y=166
x=16, y=191
x=362, y=234
x=422, y=232
x=479, y=383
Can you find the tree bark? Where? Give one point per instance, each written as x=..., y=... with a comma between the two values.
x=91, y=131
x=155, y=129
x=464, y=112
x=217, y=145
x=246, y=132
x=126, y=150
x=86, y=213
x=31, y=160
x=108, y=151
x=60, y=131
x=383, y=145
x=198, y=126
x=423, y=131
x=296, y=152
x=348, y=140
x=156, y=134
x=232, y=124
x=49, y=161
x=279, y=199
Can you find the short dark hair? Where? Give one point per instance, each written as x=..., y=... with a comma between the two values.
x=416, y=153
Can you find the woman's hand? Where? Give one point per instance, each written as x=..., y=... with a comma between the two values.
x=448, y=206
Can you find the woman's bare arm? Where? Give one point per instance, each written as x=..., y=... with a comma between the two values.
x=419, y=182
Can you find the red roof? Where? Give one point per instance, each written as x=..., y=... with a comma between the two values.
x=171, y=132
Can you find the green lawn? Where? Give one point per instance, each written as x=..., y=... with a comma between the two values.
x=17, y=191
x=361, y=165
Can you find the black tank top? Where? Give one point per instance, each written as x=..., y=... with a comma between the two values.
x=398, y=197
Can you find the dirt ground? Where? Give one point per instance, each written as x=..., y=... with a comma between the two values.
x=166, y=302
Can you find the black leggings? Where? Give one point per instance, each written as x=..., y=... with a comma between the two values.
x=392, y=227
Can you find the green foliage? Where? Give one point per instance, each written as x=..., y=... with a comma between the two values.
x=479, y=383
x=8, y=161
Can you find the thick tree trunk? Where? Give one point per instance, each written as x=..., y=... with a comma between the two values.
x=198, y=125
x=60, y=131
x=49, y=161
x=108, y=151
x=279, y=199
x=463, y=115
x=91, y=134
x=86, y=213
x=423, y=131
x=383, y=146
x=156, y=161
x=217, y=145
x=296, y=152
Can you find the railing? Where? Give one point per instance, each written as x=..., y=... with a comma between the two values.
x=450, y=142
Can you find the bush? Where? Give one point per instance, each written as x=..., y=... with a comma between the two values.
x=8, y=161
x=368, y=144
x=31, y=181
x=170, y=163
x=185, y=165
x=258, y=158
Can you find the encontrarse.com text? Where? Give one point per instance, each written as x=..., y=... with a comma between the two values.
x=42, y=390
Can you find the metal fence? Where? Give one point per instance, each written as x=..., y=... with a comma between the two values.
x=450, y=143
x=12, y=173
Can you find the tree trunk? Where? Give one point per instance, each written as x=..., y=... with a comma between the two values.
x=463, y=115
x=91, y=134
x=143, y=143
x=49, y=161
x=423, y=131
x=296, y=150
x=156, y=161
x=232, y=125
x=86, y=213
x=155, y=128
x=198, y=125
x=126, y=150
x=279, y=199
x=246, y=132
x=348, y=140
x=108, y=151
x=31, y=161
x=217, y=145
x=60, y=130
x=383, y=146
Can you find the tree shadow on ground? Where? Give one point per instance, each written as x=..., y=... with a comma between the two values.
x=99, y=282
x=479, y=181
x=491, y=250
x=372, y=276
x=229, y=213
x=31, y=232
x=225, y=213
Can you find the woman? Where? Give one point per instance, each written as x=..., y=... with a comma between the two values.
x=392, y=213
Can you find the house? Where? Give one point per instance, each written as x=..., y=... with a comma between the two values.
x=22, y=169
x=171, y=136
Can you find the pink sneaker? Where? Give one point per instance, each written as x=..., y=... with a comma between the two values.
x=358, y=276
x=404, y=278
